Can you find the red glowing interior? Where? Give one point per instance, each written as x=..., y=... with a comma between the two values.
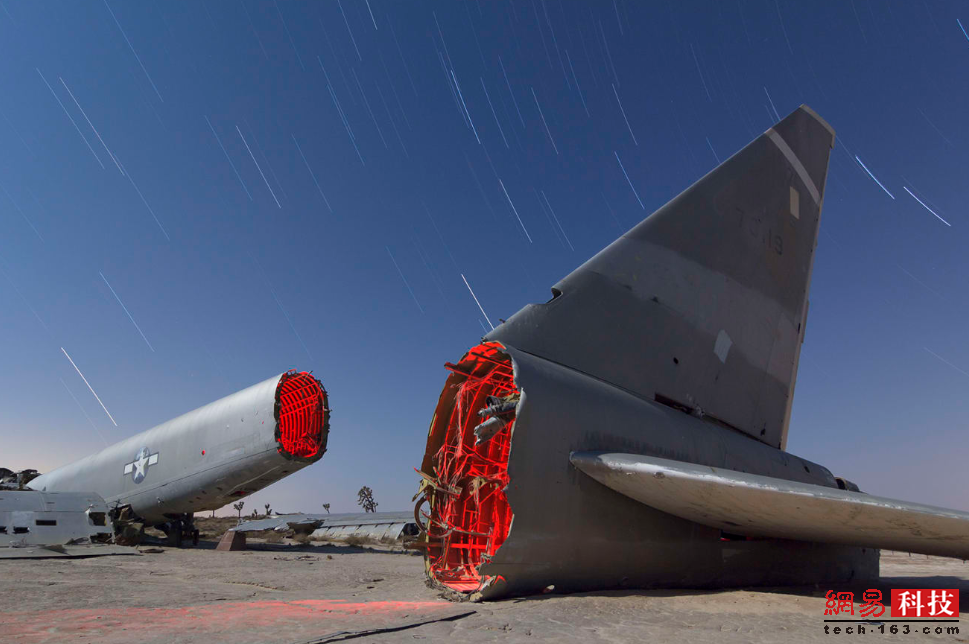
x=469, y=513
x=301, y=413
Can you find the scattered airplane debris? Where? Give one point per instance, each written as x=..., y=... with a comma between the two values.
x=375, y=525
x=54, y=524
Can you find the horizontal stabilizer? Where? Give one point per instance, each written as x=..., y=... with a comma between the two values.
x=762, y=506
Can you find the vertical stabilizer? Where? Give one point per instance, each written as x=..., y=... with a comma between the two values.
x=702, y=305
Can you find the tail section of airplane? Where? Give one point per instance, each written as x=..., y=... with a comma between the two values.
x=710, y=291
x=676, y=343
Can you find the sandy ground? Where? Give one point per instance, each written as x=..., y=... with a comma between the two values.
x=321, y=593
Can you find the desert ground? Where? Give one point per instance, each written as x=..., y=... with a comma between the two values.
x=294, y=593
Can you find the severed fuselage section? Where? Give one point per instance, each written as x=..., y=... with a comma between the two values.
x=467, y=471
x=511, y=515
x=630, y=432
x=205, y=458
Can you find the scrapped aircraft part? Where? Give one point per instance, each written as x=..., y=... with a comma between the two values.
x=465, y=470
x=208, y=457
x=763, y=506
x=498, y=412
x=130, y=534
x=705, y=300
x=678, y=340
x=374, y=525
x=845, y=484
x=30, y=518
x=487, y=429
x=180, y=529
x=129, y=530
x=280, y=523
x=576, y=534
x=375, y=531
x=10, y=480
x=302, y=416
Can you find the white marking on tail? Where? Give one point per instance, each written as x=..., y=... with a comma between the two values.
x=722, y=345
x=795, y=163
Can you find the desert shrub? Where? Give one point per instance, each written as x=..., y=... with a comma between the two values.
x=358, y=540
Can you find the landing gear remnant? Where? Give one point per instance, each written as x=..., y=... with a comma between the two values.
x=180, y=529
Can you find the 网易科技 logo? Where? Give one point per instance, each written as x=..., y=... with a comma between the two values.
x=924, y=605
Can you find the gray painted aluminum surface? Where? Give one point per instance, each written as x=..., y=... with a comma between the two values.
x=576, y=534
x=705, y=300
x=163, y=470
x=376, y=525
x=680, y=340
x=29, y=518
x=762, y=506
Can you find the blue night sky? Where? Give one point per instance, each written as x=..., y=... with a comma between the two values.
x=195, y=161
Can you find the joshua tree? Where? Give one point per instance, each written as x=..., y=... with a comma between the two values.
x=365, y=499
x=238, y=508
x=326, y=506
x=268, y=510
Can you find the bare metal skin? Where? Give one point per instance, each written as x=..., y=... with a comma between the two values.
x=199, y=461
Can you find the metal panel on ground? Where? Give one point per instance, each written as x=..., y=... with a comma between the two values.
x=374, y=525
x=30, y=518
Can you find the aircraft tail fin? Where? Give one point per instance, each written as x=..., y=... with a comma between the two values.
x=702, y=306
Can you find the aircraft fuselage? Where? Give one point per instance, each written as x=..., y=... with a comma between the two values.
x=208, y=457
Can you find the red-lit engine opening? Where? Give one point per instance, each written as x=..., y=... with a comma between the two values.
x=469, y=514
x=302, y=416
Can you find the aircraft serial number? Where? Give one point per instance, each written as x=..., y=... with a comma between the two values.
x=757, y=229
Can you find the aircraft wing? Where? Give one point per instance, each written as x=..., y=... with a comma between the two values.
x=374, y=524
x=762, y=506
x=280, y=523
